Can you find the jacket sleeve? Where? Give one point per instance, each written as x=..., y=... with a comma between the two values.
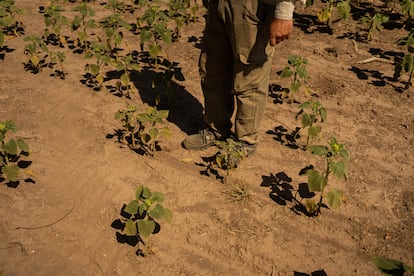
x=283, y=8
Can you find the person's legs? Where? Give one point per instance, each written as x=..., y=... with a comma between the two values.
x=252, y=68
x=216, y=65
x=216, y=71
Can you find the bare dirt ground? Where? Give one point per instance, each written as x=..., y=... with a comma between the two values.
x=61, y=224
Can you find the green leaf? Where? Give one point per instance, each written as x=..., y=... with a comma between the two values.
x=301, y=71
x=344, y=153
x=22, y=145
x=334, y=198
x=286, y=73
x=118, y=38
x=168, y=216
x=130, y=228
x=10, y=147
x=408, y=63
x=316, y=181
x=311, y=206
x=146, y=193
x=314, y=131
x=132, y=207
x=145, y=36
x=344, y=9
x=157, y=197
x=388, y=266
x=294, y=86
x=125, y=79
x=322, y=111
x=166, y=132
x=154, y=50
x=1, y=38
x=318, y=150
x=11, y=172
x=306, y=120
x=157, y=212
x=94, y=68
x=166, y=36
x=146, y=227
x=338, y=169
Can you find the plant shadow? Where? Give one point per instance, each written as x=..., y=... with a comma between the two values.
x=5, y=50
x=284, y=193
x=286, y=138
x=208, y=165
x=313, y=273
x=186, y=111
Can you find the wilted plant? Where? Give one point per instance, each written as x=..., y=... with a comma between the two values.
x=10, y=152
x=140, y=130
x=239, y=191
x=145, y=211
x=310, y=113
x=335, y=156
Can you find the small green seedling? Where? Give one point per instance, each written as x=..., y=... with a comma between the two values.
x=335, y=156
x=146, y=210
x=310, y=113
x=124, y=65
x=36, y=52
x=230, y=154
x=392, y=267
x=8, y=23
x=407, y=64
x=112, y=25
x=154, y=29
x=296, y=70
x=103, y=57
x=141, y=130
x=10, y=152
x=373, y=24
x=82, y=23
x=54, y=21
x=325, y=14
x=407, y=8
x=182, y=12
x=58, y=57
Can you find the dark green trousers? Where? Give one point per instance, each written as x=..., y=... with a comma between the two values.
x=235, y=64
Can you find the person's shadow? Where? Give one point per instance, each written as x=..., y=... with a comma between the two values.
x=186, y=111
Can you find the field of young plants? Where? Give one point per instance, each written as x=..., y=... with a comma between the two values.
x=96, y=97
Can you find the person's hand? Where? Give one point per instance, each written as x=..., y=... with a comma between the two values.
x=279, y=30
